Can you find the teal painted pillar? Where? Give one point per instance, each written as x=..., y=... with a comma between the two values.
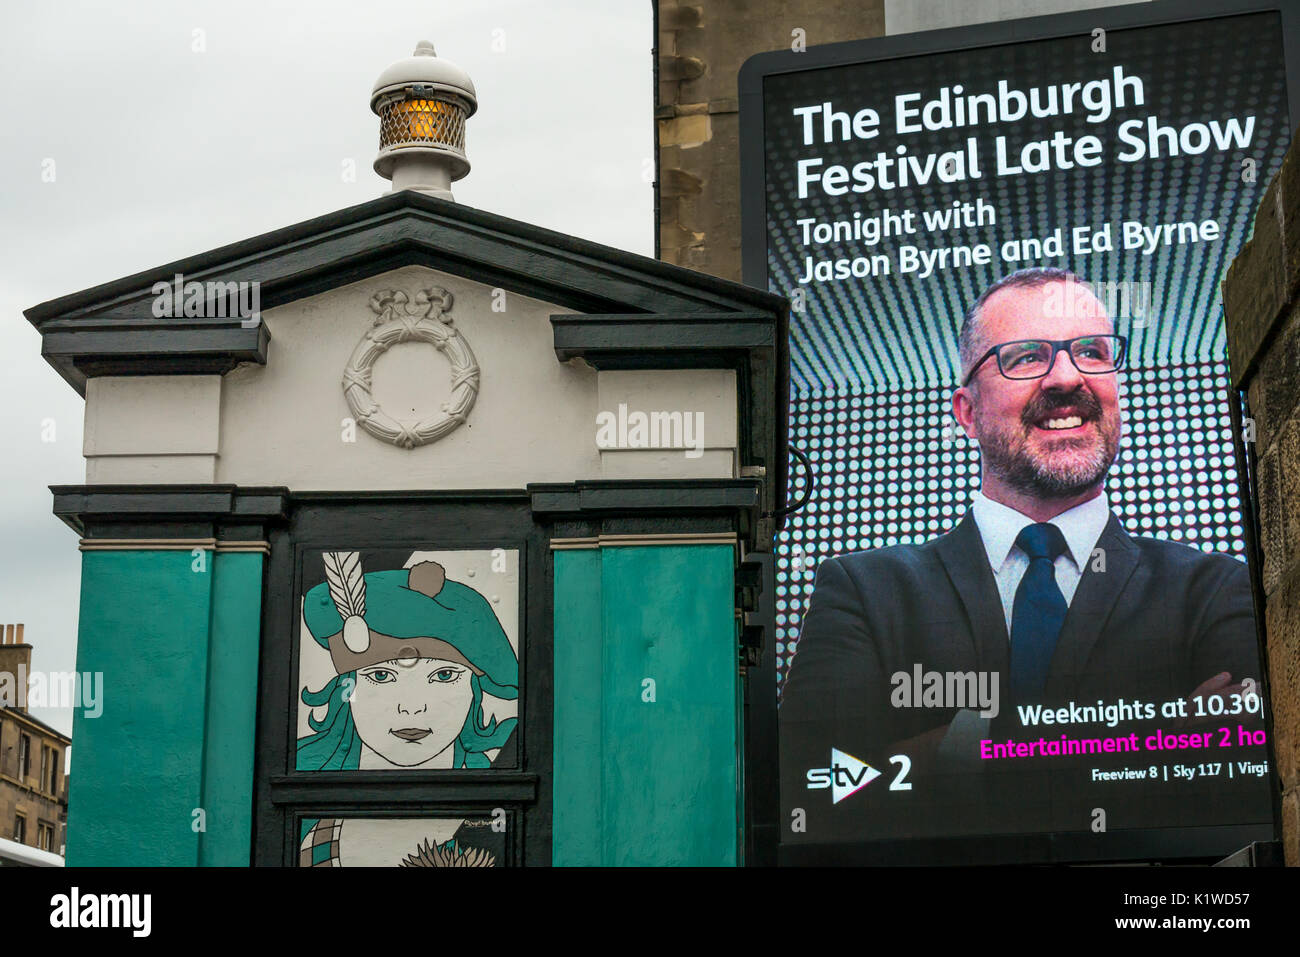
x=174, y=635
x=231, y=714
x=647, y=731
x=576, y=836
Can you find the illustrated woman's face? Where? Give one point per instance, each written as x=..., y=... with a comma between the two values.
x=410, y=710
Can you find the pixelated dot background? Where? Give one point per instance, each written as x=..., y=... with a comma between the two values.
x=919, y=476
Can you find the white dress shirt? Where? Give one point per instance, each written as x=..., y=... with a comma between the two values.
x=999, y=526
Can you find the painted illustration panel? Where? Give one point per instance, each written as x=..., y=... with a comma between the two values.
x=404, y=842
x=408, y=660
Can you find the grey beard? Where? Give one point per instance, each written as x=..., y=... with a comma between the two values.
x=1019, y=470
x=1046, y=481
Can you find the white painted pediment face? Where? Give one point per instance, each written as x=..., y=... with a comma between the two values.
x=415, y=378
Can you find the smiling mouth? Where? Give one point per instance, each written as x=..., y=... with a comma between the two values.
x=1057, y=425
x=410, y=734
x=1069, y=418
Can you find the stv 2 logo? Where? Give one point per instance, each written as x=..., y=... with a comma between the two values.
x=845, y=777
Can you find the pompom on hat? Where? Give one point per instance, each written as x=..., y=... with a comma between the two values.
x=365, y=619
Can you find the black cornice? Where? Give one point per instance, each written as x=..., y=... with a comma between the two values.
x=599, y=497
x=694, y=341
x=314, y=256
x=181, y=347
x=84, y=507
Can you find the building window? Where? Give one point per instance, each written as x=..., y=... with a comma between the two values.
x=24, y=757
x=56, y=758
x=20, y=829
x=473, y=680
x=45, y=769
x=44, y=836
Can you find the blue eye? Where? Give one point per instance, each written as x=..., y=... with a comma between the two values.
x=444, y=676
x=381, y=676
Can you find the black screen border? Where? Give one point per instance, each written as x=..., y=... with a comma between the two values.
x=1151, y=844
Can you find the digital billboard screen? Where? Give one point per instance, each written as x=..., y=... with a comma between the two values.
x=1018, y=602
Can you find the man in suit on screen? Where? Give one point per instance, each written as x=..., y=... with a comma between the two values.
x=1038, y=592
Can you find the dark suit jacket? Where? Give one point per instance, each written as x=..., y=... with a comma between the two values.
x=1161, y=619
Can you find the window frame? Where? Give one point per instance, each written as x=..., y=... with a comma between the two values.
x=452, y=521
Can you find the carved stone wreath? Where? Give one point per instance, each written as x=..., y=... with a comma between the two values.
x=401, y=320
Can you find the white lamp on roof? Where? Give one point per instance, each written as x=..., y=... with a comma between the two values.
x=422, y=103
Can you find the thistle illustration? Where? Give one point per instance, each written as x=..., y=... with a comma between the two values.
x=446, y=855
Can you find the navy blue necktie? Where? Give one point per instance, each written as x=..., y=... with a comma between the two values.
x=1038, y=612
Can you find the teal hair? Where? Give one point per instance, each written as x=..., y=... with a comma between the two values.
x=336, y=746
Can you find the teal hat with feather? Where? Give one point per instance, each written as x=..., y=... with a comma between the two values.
x=367, y=618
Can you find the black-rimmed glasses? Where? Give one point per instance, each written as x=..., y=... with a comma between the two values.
x=1034, y=358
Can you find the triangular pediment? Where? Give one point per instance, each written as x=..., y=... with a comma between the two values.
x=398, y=229
x=616, y=310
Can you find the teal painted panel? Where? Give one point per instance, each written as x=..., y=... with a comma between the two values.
x=669, y=780
x=137, y=767
x=231, y=710
x=739, y=693
x=576, y=825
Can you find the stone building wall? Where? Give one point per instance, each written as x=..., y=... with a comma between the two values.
x=28, y=795
x=701, y=47
x=1262, y=301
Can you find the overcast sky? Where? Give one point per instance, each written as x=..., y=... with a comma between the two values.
x=175, y=128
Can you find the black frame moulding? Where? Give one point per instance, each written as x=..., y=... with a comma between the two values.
x=388, y=520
